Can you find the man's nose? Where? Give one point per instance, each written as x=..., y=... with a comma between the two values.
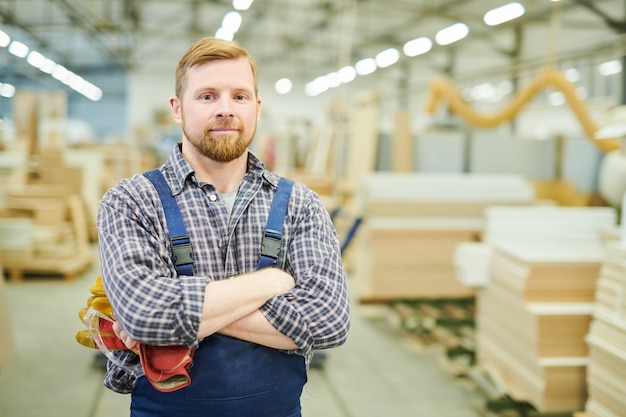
x=224, y=109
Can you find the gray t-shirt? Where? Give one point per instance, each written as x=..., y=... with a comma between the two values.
x=229, y=199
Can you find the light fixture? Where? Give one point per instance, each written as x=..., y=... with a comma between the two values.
x=18, y=49
x=242, y=4
x=317, y=86
x=283, y=86
x=387, y=57
x=35, y=59
x=60, y=73
x=48, y=66
x=224, y=34
x=7, y=90
x=610, y=68
x=572, y=75
x=365, y=66
x=5, y=39
x=556, y=98
x=452, y=34
x=231, y=22
x=417, y=46
x=503, y=14
x=347, y=74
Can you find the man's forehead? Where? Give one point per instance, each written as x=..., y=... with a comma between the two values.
x=221, y=72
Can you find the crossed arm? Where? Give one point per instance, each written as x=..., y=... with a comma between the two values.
x=231, y=308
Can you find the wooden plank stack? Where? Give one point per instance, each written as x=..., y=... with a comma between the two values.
x=606, y=372
x=531, y=223
x=412, y=225
x=533, y=316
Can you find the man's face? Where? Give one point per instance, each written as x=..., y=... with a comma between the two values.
x=219, y=109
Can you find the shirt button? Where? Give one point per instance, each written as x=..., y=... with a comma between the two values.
x=213, y=197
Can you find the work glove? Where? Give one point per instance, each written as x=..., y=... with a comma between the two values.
x=100, y=303
x=166, y=367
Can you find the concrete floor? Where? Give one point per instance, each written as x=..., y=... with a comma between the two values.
x=378, y=372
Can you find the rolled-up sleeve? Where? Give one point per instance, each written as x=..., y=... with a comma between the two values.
x=315, y=314
x=152, y=304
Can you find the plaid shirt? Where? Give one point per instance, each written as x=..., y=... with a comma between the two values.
x=157, y=307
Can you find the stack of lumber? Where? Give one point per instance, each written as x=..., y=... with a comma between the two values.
x=43, y=230
x=43, y=222
x=533, y=317
x=543, y=223
x=412, y=223
x=606, y=372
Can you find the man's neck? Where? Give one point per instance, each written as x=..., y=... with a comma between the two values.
x=224, y=176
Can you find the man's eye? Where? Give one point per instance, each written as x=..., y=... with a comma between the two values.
x=240, y=97
x=206, y=97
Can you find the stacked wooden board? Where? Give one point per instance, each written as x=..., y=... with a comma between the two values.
x=533, y=317
x=606, y=372
x=412, y=225
x=545, y=223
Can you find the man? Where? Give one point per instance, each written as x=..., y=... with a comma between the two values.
x=253, y=331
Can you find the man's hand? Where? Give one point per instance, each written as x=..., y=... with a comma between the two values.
x=279, y=281
x=123, y=336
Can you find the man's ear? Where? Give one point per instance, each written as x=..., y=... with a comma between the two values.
x=175, y=109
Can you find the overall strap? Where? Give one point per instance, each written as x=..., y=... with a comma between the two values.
x=181, y=244
x=270, y=245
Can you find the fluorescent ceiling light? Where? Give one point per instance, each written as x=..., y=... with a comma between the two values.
x=35, y=59
x=242, y=4
x=7, y=90
x=18, y=49
x=76, y=82
x=610, y=68
x=91, y=92
x=503, y=14
x=387, y=57
x=572, y=75
x=5, y=39
x=417, y=46
x=452, y=34
x=231, y=22
x=317, y=86
x=347, y=74
x=365, y=66
x=48, y=66
x=224, y=34
x=60, y=73
x=283, y=86
x=334, y=80
x=556, y=98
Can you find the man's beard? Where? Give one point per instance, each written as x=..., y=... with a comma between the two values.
x=220, y=148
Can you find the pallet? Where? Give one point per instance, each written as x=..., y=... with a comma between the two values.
x=67, y=258
x=448, y=323
x=68, y=269
x=501, y=403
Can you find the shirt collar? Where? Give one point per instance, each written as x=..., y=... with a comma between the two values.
x=177, y=170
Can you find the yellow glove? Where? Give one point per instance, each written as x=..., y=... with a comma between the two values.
x=166, y=367
x=99, y=302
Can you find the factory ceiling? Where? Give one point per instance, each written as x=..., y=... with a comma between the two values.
x=303, y=39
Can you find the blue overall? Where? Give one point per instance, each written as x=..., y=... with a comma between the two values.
x=229, y=377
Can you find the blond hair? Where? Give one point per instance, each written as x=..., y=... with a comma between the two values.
x=211, y=49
